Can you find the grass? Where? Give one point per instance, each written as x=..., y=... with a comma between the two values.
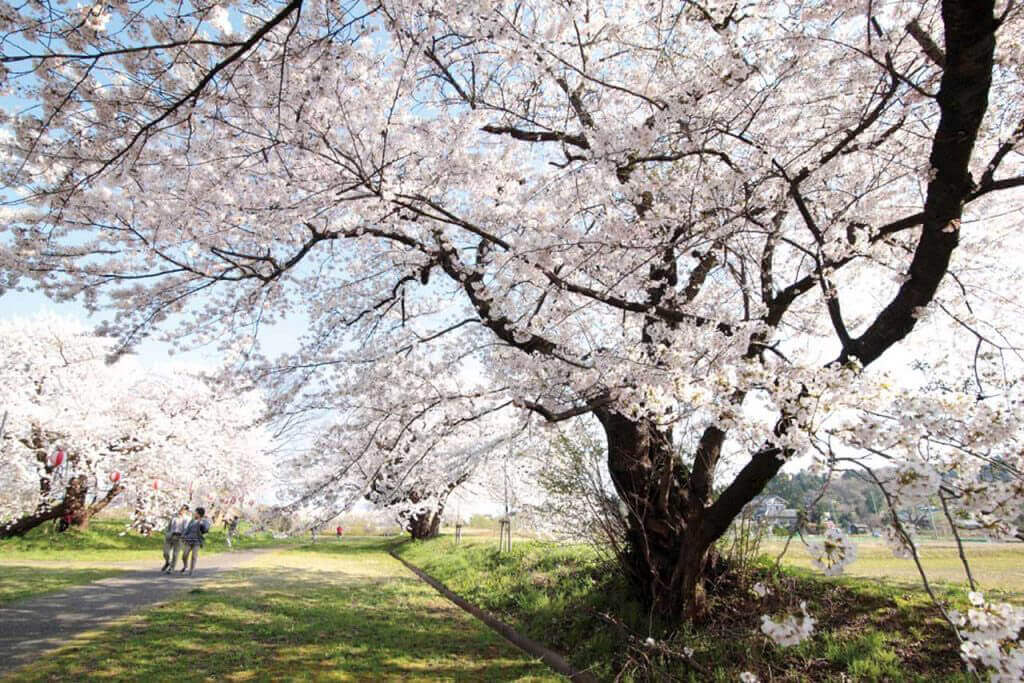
x=44, y=561
x=346, y=611
x=549, y=592
x=17, y=583
x=996, y=566
x=327, y=612
x=106, y=541
x=867, y=630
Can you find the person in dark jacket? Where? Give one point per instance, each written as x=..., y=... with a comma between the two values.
x=193, y=539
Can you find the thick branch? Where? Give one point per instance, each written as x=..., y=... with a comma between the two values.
x=963, y=99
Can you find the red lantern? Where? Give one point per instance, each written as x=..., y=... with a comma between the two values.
x=156, y=484
x=58, y=459
x=115, y=477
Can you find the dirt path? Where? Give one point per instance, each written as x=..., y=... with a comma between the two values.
x=30, y=627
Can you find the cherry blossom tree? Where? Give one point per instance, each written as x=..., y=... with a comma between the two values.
x=698, y=223
x=81, y=433
x=405, y=447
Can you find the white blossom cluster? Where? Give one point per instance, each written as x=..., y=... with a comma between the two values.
x=833, y=553
x=993, y=638
x=790, y=630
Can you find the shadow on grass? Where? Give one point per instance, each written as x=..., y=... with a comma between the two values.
x=17, y=583
x=279, y=623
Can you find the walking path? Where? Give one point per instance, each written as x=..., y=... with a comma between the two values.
x=30, y=627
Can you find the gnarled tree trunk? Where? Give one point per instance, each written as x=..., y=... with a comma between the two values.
x=426, y=522
x=672, y=522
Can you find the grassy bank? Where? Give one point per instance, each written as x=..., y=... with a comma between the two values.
x=564, y=596
x=328, y=612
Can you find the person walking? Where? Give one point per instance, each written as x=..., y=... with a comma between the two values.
x=193, y=539
x=172, y=538
x=232, y=529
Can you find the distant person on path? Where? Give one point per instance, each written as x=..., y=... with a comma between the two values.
x=193, y=538
x=173, y=534
x=340, y=532
x=312, y=534
x=232, y=529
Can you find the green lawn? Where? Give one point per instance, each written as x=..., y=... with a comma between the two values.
x=17, y=582
x=44, y=561
x=867, y=630
x=347, y=611
x=996, y=566
x=328, y=612
x=106, y=541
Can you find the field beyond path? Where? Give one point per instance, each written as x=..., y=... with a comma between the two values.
x=334, y=611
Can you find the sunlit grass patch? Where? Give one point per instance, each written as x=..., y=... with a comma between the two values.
x=996, y=566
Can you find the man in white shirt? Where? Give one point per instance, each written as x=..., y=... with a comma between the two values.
x=172, y=538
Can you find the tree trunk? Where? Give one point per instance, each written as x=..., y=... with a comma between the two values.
x=423, y=524
x=665, y=554
x=73, y=503
x=672, y=522
x=427, y=523
x=22, y=525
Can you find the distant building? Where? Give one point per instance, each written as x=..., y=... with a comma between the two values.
x=773, y=511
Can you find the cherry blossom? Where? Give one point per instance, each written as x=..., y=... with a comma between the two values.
x=732, y=236
x=790, y=630
x=994, y=638
x=832, y=553
x=150, y=439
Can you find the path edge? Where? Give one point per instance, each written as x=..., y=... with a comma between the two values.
x=531, y=647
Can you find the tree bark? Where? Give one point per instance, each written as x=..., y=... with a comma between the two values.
x=666, y=554
x=75, y=502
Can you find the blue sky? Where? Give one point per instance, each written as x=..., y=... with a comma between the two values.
x=151, y=352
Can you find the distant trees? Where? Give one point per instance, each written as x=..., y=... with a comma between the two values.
x=81, y=432
x=849, y=496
